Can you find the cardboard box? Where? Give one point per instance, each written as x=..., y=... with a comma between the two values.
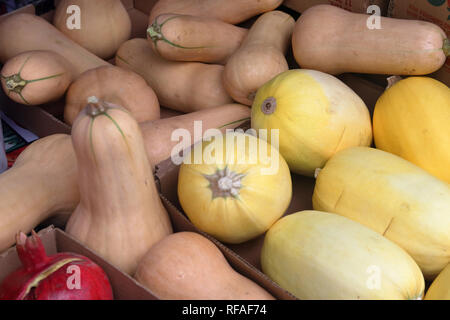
x=359, y=6
x=55, y=240
x=435, y=11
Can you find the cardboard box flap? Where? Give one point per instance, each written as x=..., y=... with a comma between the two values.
x=33, y=118
x=125, y=287
x=9, y=260
x=55, y=240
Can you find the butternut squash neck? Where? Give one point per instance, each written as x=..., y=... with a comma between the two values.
x=97, y=108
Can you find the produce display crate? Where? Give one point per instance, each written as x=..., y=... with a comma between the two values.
x=244, y=258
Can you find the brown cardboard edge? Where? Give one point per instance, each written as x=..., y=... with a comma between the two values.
x=35, y=118
x=56, y=240
x=9, y=260
x=125, y=286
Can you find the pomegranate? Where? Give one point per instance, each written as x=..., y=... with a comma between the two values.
x=63, y=276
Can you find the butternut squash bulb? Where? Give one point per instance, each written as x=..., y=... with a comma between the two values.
x=393, y=197
x=411, y=119
x=36, y=77
x=322, y=256
x=116, y=85
x=316, y=114
x=234, y=187
x=99, y=26
x=188, y=266
x=120, y=214
x=440, y=288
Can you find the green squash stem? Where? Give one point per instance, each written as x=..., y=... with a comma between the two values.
x=155, y=34
x=94, y=109
x=15, y=83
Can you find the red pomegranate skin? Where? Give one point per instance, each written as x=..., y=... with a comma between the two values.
x=63, y=276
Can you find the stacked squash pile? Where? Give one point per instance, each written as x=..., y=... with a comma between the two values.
x=380, y=224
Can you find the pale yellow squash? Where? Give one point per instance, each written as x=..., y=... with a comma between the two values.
x=239, y=191
x=440, y=288
x=316, y=114
x=412, y=120
x=393, y=197
x=323, y=256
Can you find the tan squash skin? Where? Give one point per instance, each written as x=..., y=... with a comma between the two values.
x=190, y=38
x=36, y=77
x=116, y=85
x=105, y=25
x=231, y=11
x=188, y=266
x=210, y=118
x=120, y=214
x=181, y=86
x=31, y=32
x=333, y=40
x=41, y=184
x=260, y=57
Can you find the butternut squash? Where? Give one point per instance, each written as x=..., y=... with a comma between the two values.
x=231, y=11
x=322, y=256
x=394, y=198
x=104, y=25
x=411, y=119
x=334, y=40
x=120, y=214
x=188, y=266
x=440, y=288
x=41, y=184
x=190, y=38
x=182, y=86
x=161, y=137
x=116, y=85
x=36, y=77
x=31, y=33
x=260, y=57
